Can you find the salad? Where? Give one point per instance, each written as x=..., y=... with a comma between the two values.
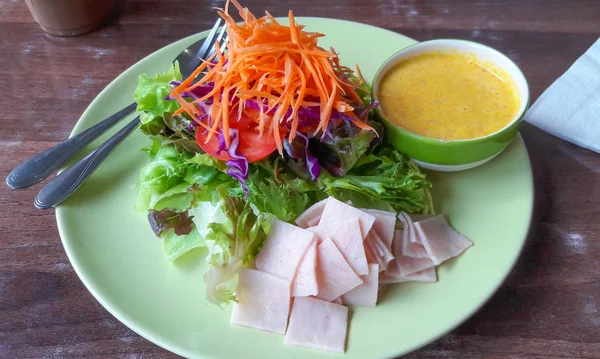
x=262, y=131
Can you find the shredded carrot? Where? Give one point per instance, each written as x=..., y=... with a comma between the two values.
x=281, y=67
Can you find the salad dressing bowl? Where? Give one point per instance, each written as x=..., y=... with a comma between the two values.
x=453, y=155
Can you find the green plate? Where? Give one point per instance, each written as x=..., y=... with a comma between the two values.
x=116, y=255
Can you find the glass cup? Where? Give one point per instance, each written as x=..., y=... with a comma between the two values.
x=70, y=17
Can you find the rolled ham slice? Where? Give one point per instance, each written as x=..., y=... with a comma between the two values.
x=318, y=324
x=440, y=240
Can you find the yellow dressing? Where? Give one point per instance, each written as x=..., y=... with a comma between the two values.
x=448, y=96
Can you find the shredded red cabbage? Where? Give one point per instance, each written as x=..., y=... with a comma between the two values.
x=314, y=168
x=238, y=165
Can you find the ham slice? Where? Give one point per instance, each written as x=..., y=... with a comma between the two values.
x=348, y=239
x=319, y=234
x=419, y=217
x=366, y=293
x=335, y=211
x=312, y=215
x=380, y=246
x=440, y=240
x=373, y=257
x=337, y=300
x=427, y=275
x=384, y=225
x=305, y=282
x=334, y=274
x=318, y=324
x=263, y=301
x=283, y=249
x=404, y=266
x=411, y=245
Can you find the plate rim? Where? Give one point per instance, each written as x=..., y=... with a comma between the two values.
x=138, y=328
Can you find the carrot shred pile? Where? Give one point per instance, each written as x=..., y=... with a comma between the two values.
x=281, y=67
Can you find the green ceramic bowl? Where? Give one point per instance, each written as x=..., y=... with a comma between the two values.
x=457, y=155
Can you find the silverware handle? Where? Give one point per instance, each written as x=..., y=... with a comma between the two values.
x=43, y=164
x=61, y=187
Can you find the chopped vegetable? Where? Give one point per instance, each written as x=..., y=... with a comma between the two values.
x=233, y=244
x=282, y=68
x=215, y=179
x=150, y=95
x=160, y=221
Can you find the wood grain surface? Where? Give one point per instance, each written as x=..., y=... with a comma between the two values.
x=548, y=308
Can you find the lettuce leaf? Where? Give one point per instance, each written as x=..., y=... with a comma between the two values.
x=178, y=180
x=180, y=222
x=233, y=243
x=383, y=179
x=339, y=152
x=150, y=96
x=175, y=245
x=281, y=200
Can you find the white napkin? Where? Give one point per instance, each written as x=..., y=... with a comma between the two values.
x=570, y=107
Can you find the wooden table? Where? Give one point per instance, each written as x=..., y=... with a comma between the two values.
x=550, y=305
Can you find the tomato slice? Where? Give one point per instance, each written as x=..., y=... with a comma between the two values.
x=253, y=147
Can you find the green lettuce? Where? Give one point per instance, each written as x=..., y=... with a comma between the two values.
x=175, y=245
x=233, y=243
x=150, y=96
x=281, y=200
x=177, y=180
x=383, y=179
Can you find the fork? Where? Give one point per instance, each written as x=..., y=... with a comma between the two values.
x=45, y=163
x=63, y=185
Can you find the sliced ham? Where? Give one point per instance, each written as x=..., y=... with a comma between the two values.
x=334, y=274
x=384, y=225
x=376, y=241
x=440, y=240
x=283, y=249
x=263, y=301
x=335, y=211
x=312, y=215
x=318, y=324
x=419, y=217
x=380, y=246
x=407, y=223
x=410, y=245
x=305, y=282
x=366, y=293
x=347, y=237
x=320, y=235
x=373, y=257
x=427, y=275
x=410, y=249
x=404, y=266
x=337, y=300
